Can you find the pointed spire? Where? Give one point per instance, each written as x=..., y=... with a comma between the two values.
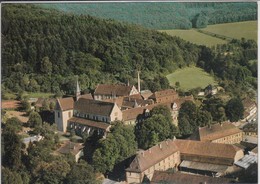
x=77, y=90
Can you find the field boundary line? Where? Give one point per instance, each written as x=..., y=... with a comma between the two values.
x=215, y=35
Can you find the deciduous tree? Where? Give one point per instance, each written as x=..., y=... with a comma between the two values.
x=234, y=109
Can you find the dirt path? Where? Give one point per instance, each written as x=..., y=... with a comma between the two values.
x=10, y=104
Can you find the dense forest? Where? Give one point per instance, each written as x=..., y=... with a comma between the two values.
x=166, y=15
x=45, y=50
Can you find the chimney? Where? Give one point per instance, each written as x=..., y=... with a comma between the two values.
x=77, y=90
x=166, y=142
x=136, y=104
x=160, y=145
x=138, y=80
x=128, y=82
x=150, y=151
x=142, y=153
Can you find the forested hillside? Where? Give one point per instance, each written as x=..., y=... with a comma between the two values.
x=43, y=50
x=166, y=15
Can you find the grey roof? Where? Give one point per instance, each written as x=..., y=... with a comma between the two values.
x=246, y=161
x=203, y=166
x=32, y=139
x=250, y=139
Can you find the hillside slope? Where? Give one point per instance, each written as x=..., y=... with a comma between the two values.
x=43, y=50
x=165, y=15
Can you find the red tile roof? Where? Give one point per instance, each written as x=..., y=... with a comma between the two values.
x=113, y=89
x=185, y=178
x=148, y=158
x=210, y=149
x=86, y=96
x=217, y=131
x=70, y=147
x=131, y=114
x=65, y=103
x=94, y=107
x=163, y=93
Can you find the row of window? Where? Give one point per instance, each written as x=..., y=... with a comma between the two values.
x=234, y=138
x=91, y=117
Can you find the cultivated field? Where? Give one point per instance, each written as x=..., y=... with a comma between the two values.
x=238, y=30
x=195, y=37
x=20, y=115
x=190, y=77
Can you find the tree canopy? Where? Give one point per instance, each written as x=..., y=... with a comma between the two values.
x=156, y=128
x=119, y=145
x=44, y=51
x=35, y=120
x=234, y=109
x=174, y=15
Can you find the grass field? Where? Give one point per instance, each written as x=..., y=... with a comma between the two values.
x=194, y=36
x=191, y=77
x=12, y=96
x=247, y=29
x=39, y=95
x=238, y=30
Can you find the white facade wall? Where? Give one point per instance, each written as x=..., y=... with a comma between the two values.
x=171, y=161
x=116, y=114
x=61, y=119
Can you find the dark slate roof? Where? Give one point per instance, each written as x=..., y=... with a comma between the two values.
x=96, y=107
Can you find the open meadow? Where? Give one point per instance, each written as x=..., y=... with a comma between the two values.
x=191, y=77
x=238, y=30
x=195, y=37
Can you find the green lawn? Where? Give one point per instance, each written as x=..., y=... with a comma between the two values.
x=40, y=95
x=238, y=30
x=195, y=37
x=8, y=96
x=191, y=77
x=13, y=96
